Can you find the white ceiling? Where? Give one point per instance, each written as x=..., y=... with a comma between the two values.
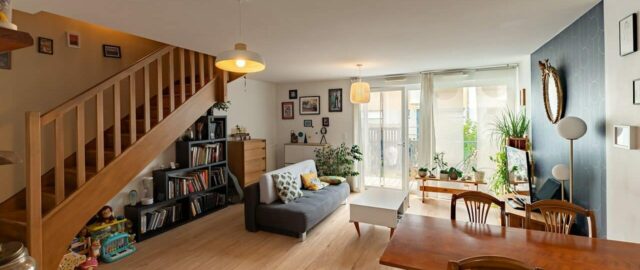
x=304, y=40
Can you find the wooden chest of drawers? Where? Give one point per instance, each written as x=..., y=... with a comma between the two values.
x=248, y=160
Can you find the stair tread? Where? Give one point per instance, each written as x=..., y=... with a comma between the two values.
x=15, y=216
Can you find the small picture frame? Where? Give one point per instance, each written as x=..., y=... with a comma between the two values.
x=308, y=123
x=325, y=121
x=335, y=100
x=624, y=137
x=628, y=31
x=45, y=45
x=73, y=40
x=309, y=105
x=5, y=60
x=111, y=51
x=293, y=94
x=636, y=92
x=287, y=110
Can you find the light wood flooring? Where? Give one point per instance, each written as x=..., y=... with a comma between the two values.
x=219, y=241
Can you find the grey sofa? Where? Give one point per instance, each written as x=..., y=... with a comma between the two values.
x=294, y=218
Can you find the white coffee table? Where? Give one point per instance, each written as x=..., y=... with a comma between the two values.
x=379, y=206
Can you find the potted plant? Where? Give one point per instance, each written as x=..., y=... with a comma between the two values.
x=439, y=163
x=454, y=173
x=509, y=129
x=423, y=171
x=338, y=161
x=478, y=176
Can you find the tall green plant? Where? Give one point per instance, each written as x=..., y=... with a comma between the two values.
x=508, y=124
x=338, y=161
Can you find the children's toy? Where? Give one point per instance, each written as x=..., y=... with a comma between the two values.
x=71, y=260
x=106, y=215
x=116, y=247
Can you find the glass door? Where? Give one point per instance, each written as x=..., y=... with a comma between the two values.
x=385, y=135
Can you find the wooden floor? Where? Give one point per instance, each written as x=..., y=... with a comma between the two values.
x=219, y=241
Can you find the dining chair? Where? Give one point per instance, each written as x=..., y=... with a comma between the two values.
x=478, y=205
x=560, y=215
x=489, y=262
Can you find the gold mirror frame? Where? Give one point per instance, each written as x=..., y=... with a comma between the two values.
x=549, y=72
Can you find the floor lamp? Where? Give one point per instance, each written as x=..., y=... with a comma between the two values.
x=571, y=128
x=561, y=173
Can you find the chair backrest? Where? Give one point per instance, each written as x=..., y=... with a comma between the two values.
x=560, y=215
x=490, y=262
x=478, y=205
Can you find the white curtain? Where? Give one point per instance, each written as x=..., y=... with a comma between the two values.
x=426, y=143
x=359, y=133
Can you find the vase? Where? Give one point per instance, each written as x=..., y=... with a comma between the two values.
x=352, y=184
x=479, y=176
x=5, y=15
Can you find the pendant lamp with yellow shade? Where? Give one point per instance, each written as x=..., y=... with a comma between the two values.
x=360, y=91
x=240, y=60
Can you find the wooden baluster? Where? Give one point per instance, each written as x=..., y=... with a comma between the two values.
x=59, y=169
x=34, y=185
x=201, y=69
x=80, y=144
x=192, y=64
x=132, y=109
x=147, y=101
x=183, y=87
x=117, y=146
x=99, y=131
x=160, y=97
x=211, y=60
x=221, y=85
x=172, y=83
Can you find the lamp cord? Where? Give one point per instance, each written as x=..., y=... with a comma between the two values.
x=240, y=21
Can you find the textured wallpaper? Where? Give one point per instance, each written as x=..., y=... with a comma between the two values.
x=578, y=54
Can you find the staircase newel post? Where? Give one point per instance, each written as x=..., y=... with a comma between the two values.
x=33, y=185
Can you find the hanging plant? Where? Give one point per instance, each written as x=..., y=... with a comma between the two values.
x=222, y=105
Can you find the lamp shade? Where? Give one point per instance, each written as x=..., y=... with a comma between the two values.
x=240, y=60
x=571, y=128
x=560, y=172
x=360, y=92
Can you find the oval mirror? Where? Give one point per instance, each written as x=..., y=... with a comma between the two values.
x=552, y=92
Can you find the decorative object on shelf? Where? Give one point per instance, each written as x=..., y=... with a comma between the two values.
x=561, y=173
x=45, y=45
x=73, y=40
x=293, y=94
x=323, y=131
x=189, y=135
x=310, y=105
x=111, y=51
x=478, y=176
x=339, y=161
x=6, y=13
x=287, y=111
x=360, y=91
x=5, y=60
x=624, y=137
x=325, y=121
x=440, y=164
x=15, y=255
x=571, y=128
x=133, y=197
x=147, y=187
x=199, y=125
x=294, y=137
x=8, y=158
x=301, y=137
x=454, y=173
x=335, y=100
x=306, y=139
x=423, y=172
x=240, y=134
x=628, y=34
x=636, y=92
x=308, y=123
x=509, y=129
x=146, y=201
x=240, y=60
x=552, y=91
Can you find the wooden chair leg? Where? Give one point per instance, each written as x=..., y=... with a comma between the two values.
x=391, y=232
x=357, y=227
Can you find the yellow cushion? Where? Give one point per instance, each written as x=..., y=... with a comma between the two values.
x=310, y=181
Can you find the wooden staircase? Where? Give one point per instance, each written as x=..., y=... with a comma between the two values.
x=162, y=94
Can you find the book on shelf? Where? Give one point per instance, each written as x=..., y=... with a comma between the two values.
x=206, y=202
x=179, y=186
x=160, y=217
x=205, y=154
x=218, y=176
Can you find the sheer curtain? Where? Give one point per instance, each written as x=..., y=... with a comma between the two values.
x=426, y=135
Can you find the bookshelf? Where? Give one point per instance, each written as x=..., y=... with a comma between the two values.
x=197, y=188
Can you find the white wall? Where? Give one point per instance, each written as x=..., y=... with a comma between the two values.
x=623, y=172
x=340, y=123
x=252, y=108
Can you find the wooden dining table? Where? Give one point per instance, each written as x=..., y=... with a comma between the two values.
x=421, y=242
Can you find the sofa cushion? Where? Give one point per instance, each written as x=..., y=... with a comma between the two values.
x=333, y=180
x=268, y=192
x=305, y=212
x=310, y=181
x=288, y=190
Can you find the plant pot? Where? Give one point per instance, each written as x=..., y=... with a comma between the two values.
x=453, y=175
x=422, y=174
x=520, y=143
x=352, y=184
x=444, y=176
x=479, y=176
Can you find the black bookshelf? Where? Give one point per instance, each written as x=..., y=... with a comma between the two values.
x=172, y=208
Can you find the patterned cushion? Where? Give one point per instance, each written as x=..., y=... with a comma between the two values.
x=286, y=187
x=310, y=181
x=333, y=180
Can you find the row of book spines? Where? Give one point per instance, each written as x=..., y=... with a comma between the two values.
x=218, y=176
x=206, y=202
x=159, y=218
x=210, y=153
x=184, y=185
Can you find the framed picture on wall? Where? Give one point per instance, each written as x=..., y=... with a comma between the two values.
x=45, y=45
x=636, y=92
x=629, y=35
x=335, y=100
x=111, y=51
x=5, y=60
x=309, y=105
x=287, y=110
x=293, y=94
x=73, y=40
x=308, y=123
x=325, y=121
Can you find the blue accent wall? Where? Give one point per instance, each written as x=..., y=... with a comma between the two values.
x=578, y=54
